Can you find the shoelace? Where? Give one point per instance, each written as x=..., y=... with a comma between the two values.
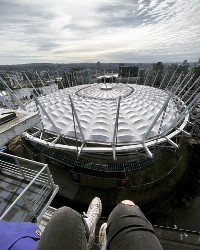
x=92, y=212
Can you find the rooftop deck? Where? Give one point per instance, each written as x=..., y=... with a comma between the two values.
x=12, y=125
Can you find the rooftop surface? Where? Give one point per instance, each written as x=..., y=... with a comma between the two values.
x=16, y=125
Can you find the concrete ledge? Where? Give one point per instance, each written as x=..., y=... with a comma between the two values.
x=177, y=239
x=18, y=125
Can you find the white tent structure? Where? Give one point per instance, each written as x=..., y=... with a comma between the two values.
x=112, y=118
x=108, y=135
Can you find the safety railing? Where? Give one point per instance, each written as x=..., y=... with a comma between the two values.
x=110, y=167
x=26, y=188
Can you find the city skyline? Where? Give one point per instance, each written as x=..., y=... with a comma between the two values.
x=91, y=30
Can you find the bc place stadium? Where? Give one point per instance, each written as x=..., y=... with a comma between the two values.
x=117, y=139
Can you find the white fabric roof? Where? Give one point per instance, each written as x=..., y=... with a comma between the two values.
x=97, y=108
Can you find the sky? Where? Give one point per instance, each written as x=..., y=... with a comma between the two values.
x=77, y=31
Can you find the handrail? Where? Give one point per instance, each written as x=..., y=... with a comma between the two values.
x=23, y=159
x=71, y=160
x=40, y=177
x=15, y=201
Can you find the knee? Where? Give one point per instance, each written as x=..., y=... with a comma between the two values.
x=64, y=213
x=128, y=202
x=125, y=207
x=64, y=209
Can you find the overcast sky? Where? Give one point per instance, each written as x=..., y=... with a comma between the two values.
x=67, y=31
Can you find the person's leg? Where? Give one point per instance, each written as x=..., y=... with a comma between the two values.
x=69, y=230
x=91, y=218
x=65, y=231
x=128, y=228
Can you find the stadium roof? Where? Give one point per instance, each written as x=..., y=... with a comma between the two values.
x=96, y=106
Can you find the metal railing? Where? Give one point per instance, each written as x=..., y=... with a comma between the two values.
x=35, y=181
x=72, y=161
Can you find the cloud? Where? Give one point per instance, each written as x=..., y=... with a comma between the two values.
x=92, y=30
x=120, y=15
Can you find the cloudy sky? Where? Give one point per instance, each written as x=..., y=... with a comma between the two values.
x=67, y=31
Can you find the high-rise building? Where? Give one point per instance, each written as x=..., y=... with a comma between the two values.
x=158, y=70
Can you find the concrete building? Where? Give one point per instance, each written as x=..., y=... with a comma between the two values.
x=76, y=77
x=128, y=71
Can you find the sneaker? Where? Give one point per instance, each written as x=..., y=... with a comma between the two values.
x=91, y=217
x=102, y=236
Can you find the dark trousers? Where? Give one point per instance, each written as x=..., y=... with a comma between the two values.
x=65, y=231
x=127, y=229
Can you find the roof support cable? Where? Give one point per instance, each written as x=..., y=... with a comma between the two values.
x=42, y=82
x=160, y=127
x=45, y=112
x=15, y=98
x=192, y=95
x=163, y=80
x=36, y=91
x=183, y=114
x=197, y=81
x=177, y=82
x=154, y=81
x=179, y=85
x=147, y=74
x=40, y=126
x=76, y=116
x=16, y=80
x=157, y=117
x=75, y=130
x=114, y=141
x=171, y=79
x=183, y=81
x=186, y=85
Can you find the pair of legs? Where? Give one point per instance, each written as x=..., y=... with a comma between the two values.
x=127, y=228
